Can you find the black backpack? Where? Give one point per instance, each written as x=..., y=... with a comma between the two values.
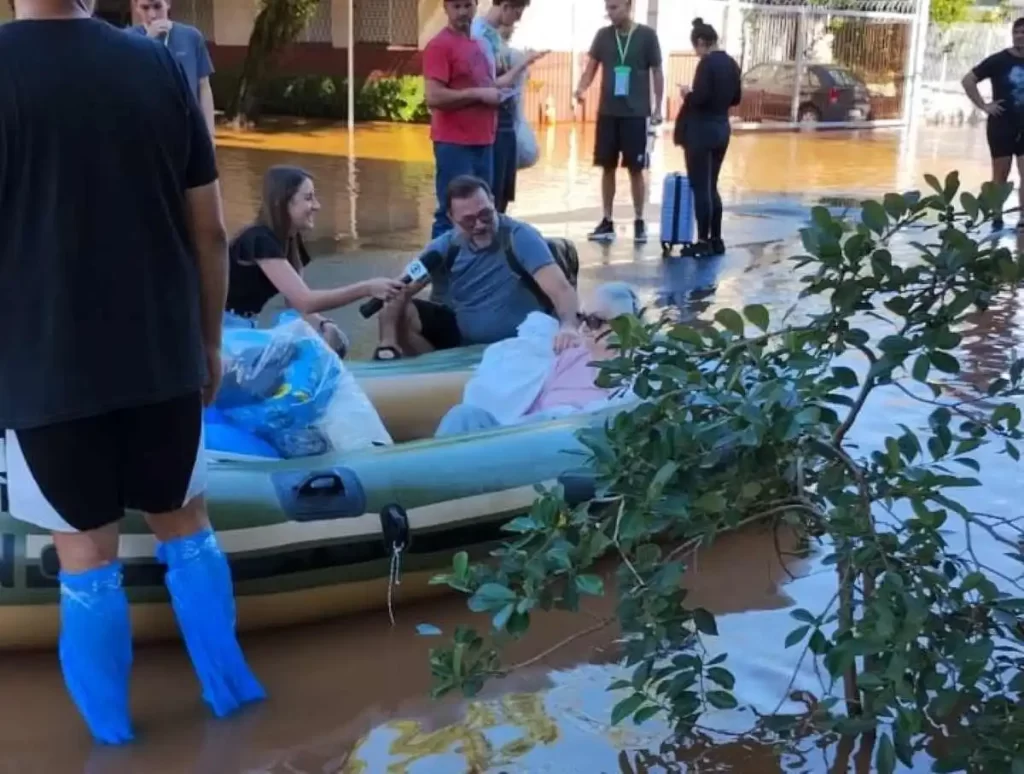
x=562, y=250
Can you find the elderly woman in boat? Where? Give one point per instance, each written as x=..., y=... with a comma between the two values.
x=522, y=380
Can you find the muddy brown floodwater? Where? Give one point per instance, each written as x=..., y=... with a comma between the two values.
x=352, y=695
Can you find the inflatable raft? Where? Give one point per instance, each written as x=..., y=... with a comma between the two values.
x=312, y=538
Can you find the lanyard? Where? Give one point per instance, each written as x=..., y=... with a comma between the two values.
x=623, y=50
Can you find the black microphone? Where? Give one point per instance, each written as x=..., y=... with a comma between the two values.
x=418, y=270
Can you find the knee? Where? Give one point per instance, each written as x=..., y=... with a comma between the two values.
x=187, y=521
x=464, y=418
x=83, y=551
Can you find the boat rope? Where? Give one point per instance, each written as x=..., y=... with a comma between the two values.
x=394, y=576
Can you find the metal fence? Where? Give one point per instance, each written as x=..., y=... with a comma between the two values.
x=815, y=64
x=951, y=51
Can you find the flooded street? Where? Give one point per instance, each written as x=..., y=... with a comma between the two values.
x=352, y=695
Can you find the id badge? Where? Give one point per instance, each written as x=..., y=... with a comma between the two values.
x=622, y=81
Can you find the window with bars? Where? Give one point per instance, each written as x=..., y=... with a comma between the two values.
x=320, y=27
x=395, y=22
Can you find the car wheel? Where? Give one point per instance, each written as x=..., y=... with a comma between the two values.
x=808, y=114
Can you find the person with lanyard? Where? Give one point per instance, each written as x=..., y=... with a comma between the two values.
x=1005, y=130
x=629, y=56
x=487, y=29
x=188, y=46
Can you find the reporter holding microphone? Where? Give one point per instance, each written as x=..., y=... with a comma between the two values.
x=267, y=259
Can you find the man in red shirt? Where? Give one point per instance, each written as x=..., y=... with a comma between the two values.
x=463, y=100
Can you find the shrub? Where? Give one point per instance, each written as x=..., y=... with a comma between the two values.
x=399, y=99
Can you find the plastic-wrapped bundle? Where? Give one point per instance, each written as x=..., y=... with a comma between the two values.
x=285, y=393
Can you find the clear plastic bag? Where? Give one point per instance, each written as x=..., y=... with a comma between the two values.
x=527, y=152
x=285, y=393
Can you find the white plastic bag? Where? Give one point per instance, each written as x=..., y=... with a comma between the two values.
x=286, y=393
x=527, y=152
x=512, y=372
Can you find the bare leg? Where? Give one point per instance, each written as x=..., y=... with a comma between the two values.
x=84, y=551
x=410, y=335
x=1000, y=174
x=608, y=191
x=389, y=323
x=1020, y=186
x=638, y=186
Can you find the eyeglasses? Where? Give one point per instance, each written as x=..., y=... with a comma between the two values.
x=485, y=218
x=593, y=321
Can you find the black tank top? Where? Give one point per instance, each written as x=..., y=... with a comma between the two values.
x=249, y=289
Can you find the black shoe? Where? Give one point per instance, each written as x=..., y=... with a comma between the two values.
x=998, y=225
x=639, y=232
x=696, y=250
x=605, y=232
x=717, y=247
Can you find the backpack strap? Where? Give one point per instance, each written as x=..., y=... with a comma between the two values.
x=505, y=235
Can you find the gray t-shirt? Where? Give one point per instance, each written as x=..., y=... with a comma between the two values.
x=189, y=48
x=642, y=54
x=489, y=299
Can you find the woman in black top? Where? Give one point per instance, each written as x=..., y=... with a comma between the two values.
x=268, y=257
x=702, y=129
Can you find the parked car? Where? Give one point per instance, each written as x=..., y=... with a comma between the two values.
x=827, y=92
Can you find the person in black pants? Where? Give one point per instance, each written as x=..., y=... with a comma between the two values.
x=1005, y=130
x=702, y=129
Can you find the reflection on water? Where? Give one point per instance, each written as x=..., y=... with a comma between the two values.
x=350, y=696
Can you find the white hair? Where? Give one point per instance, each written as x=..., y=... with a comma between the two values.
x=616, y=299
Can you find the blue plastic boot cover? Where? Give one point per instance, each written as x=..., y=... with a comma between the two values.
x=199, y=580
x=96, y=649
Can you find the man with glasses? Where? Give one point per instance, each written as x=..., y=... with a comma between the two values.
x=478, y=296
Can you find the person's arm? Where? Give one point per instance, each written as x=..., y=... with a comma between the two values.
x=437, y=73
x=204, y=69
x=982, y=72
x=657, y=76
x=590, y=71
x=702, y=92
x=737, y=96
x=552, y=280
x=306, y=301
x=508, y=78
x=206, y=103
x=534, y=255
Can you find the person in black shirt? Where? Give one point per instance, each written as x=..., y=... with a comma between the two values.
x=702, y=129
x=1005, y=71
x=268, y=257
x=113, y=272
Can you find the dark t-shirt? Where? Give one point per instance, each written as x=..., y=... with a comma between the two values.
x=249, y=289
x=642, y=54
x=189, y=47
x=1006, y=73
x=100, y=137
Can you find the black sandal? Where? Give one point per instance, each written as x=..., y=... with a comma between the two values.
x=387, y=352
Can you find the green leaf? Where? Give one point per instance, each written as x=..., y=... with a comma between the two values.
x=627, y=707
x=921, y=367
x=845, y=377
x=796, y=635
x=646, y=713
x=490, y=596
x=460, y=564
x=944, y=361
x=730, y=320
x=874, y=216
x=592, y=585
x=933, y=183
x=722, y=677
x=501, y=619
x=661, y=478
x=895, y=345
x=712, y=502
x=885, y=755
x=804, y=616
x=521, y=524
x=721, y=700
x=757, y=314
x=704, y=621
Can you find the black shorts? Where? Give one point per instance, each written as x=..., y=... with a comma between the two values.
x=1005, y=138
x=437, y=324
x=83, y=474
x=622, y=138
